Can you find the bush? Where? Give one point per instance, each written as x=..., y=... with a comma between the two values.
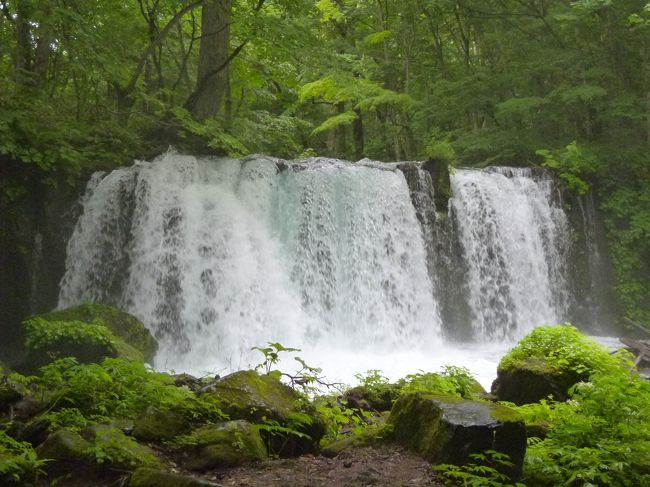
x=600, y=437
x=18, y=461
x=116, y=388
x=562, y=348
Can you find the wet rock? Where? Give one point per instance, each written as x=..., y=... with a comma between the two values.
x=531, y=380
x=156, y=425
x=446, y=429
x=226, y=444
x=151, y=477
x=257, y=398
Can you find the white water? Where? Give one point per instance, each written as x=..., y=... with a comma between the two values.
x=216, y=256
x=223, y=255
x=514, y=244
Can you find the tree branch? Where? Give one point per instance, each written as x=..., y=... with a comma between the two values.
x=157, y=41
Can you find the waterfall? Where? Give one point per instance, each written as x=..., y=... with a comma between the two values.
x=514, y=237
x=216, y=256
x=219, y=255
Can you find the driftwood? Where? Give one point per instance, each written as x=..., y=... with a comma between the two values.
x=640, y=348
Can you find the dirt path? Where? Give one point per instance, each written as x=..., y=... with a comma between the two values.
x=386, y=466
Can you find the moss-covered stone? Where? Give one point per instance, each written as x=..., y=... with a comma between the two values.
x=151, y=477
x=111, y=448
x=372, y=435
x=123, y=325
x=528, y=381
x=156, y=425
x=258, y=398
x=447, y=429
x=226, y=445
x=89, y=332
x=65, y=449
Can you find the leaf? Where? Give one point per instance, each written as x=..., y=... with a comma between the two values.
x=336, y=121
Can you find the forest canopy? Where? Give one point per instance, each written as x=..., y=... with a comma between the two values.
x=90, y=84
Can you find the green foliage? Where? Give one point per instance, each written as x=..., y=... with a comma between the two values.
x=572, y=164
x=113, y=447
x=562, y=347
x=439, y=148
x=271, y=355
x=116, y=388
x=455, y=381
x=339, y=419
x=345, y=118
x=483, y=471
x=41, y=333
x=599, y=438
x=18, y=461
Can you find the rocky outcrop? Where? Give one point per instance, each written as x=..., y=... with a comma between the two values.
x=528, y=381
x=263, y=398
x=446, y=429
x=226, y=444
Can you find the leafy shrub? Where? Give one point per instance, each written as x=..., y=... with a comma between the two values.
x=40, y=333
x=572, y=164
x=116, y=388
x=600, y=437
x=562, y=347
x=18, y=460
x=455, y=381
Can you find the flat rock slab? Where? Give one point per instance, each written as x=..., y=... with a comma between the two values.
x=445, y=429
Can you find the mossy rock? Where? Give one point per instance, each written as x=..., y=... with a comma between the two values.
x=372, y=435
x=151, y=477
x=258, y=398
x=89, y=332
x=155, y=425
x=226, y=444
x=529, y=381
x=65, y=448
x=111, y=448
x=447, y=429
x=123, y=325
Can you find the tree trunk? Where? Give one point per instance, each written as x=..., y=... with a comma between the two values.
x=357, y=131
x=23, y=49
x=212, y=77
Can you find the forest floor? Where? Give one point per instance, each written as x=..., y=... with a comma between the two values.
x=385, y=466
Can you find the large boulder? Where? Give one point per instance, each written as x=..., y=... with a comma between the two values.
x=530, y=380
x=226, y=444
x=88, y=332
x=264, y=399
x=447, y=429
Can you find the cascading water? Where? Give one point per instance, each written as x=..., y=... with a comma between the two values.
x=350, y=262
x=514, y=242
x=219, y=255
